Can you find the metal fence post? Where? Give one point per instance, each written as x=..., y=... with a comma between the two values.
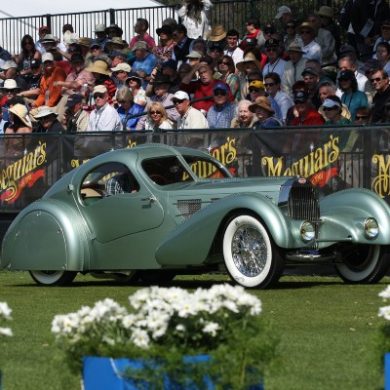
x=48, y=21
x=112, y=15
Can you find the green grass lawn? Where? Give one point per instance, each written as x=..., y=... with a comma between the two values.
x=328, y=330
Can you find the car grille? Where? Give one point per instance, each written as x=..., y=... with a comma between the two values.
x=188, y=207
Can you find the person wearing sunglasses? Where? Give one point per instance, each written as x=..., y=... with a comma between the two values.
x=104, y=117
x=272, y=85
x=363, y=116
x=189, y=117
x=276, y=63
x=228, y=71
x=157, y=118
x=127, y=108
x=380, y=82
x=311, y=49
x=332, y=110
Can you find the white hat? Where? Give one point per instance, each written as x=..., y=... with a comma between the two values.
x=283, y=10
x=194, y=54
x=21, y=111
x=47, y=57
x=100, y=89
x=10, y=84
x=180, y=95
x=122, y=66
x=9, y=64
x=44, y=111
x=100, y=27
x=329, y=103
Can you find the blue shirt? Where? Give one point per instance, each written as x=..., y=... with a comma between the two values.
x=146, y=65
x=133, y=110
x=353, y=101
x=221, y=117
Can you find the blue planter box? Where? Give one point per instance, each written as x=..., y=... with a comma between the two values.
x=103, y=373
x=387, y=371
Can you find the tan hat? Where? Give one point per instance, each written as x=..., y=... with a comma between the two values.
x=295, y=46
x=44, y=111
x=262, y=102
x=306, y=25
x=21, y=112
x=100, y=89
x=100, y=27
x=116, y=41
x=122, y=66
x=99, y=66
x=326, y=11
x=10, y=84
x=194, y=54
x=249, y=57
x=140, y=45
x=84, y=41
x=217, y=33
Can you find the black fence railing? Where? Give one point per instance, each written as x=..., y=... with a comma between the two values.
x=231, y=14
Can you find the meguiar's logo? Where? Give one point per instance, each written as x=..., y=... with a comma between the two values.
x=22, y=173
x=381, y=182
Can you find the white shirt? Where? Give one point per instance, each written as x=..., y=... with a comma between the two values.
x=312, y=51
x=237, y=54
x=192, y=119
x=105, y=118
x=276, y=67
x=284, y=102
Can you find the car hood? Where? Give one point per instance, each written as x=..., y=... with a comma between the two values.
x=267, y=186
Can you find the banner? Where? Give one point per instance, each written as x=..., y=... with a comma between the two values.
x=331, y=159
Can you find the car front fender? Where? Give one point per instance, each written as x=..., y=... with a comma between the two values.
x=191, y=241
x=343, y=214
x=47, y=235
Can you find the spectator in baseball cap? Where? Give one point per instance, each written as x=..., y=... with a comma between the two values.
x=222, y=112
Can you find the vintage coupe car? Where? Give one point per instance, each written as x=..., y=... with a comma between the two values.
x=155, y=211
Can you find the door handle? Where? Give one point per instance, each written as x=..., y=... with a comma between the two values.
x=150, y=198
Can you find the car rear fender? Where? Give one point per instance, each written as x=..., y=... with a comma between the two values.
x=343, y=214
x=47, y=235
x=191, y=241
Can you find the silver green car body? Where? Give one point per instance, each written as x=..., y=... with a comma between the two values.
x=180, y=226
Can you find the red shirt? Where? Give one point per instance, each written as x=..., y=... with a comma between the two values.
x=201, y=91
x=312, y=118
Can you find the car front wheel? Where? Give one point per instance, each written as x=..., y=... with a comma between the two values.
x=251, y=257
x=362, y=263
x=53, y=278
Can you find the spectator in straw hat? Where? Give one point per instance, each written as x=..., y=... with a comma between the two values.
x=145, y=61
x=195, y=15
x=42, y=31
x=115, y=44
x=294, y=67
x=217, y=35
x=120, y=74
x=311, y=49
x=264, y=113
x=49, y=92
x=48, y=122
x=20, y=122
x=328, y=22
x=104, y=117
x=102, y=74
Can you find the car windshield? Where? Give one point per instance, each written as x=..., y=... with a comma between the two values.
x=205, y=168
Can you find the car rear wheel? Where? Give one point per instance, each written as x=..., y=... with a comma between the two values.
x=251, y=257
x=362, y=263
x=53, y=278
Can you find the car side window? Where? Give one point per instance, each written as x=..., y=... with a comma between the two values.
x=166, y=170
x=108, y=179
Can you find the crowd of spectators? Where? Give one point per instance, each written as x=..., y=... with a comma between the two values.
x=286, y=72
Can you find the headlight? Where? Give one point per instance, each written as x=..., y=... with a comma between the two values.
x=371, y=228
x=308, y=232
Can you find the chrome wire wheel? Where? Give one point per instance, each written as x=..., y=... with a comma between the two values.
x=249, y=250
x=249, y=253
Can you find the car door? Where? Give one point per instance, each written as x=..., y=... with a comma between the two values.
x=111, y=211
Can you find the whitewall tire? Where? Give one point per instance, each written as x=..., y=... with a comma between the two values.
x=250, y=255
x=53, y=278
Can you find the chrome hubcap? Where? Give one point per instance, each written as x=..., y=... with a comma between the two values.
x=249, y=251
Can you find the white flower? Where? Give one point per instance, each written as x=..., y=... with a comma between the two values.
x=140, y=338
x=5, y=332
x=5, y=311
x=211, y=328
x=385, y=294
x=180, y=328
x=384, y=312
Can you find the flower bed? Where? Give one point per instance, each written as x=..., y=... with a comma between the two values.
x=162, y=325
